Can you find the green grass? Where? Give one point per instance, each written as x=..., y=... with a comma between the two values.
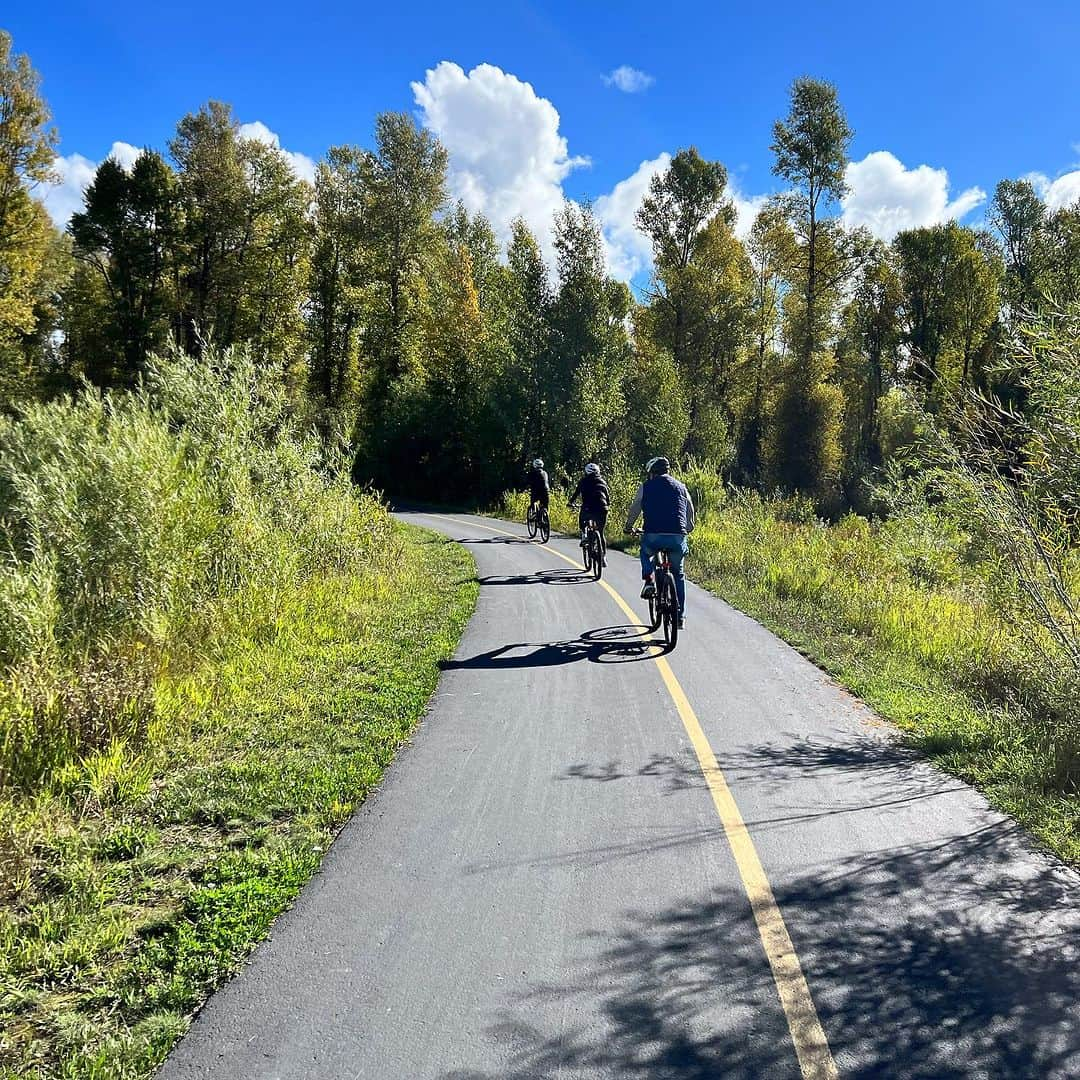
x=138, y=878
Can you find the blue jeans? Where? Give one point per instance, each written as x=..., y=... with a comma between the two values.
x=677, y=548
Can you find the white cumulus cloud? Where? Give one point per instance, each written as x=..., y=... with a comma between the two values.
x=74, y=174
x=887, y=197
x=629, y=79
x=747, y=208
x=628, y=249
x=506, y=155
x=1064, y=191
x=301, y=164
x=1059, y=193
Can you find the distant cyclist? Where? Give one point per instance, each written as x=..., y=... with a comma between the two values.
x=539, y=485
x=669, y=518
x=593, y=493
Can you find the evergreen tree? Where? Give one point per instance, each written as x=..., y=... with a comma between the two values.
x=127, y=233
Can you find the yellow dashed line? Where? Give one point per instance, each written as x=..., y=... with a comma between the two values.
x=811, y=1046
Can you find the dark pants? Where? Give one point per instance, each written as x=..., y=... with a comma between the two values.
x=541, y=499
x=597, y=514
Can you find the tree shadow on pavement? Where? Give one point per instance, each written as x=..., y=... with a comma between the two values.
x=677, y=772
x=947, y=961
x=884, y=773
x=880, y=773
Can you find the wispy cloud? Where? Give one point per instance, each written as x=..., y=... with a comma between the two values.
x=629, y=79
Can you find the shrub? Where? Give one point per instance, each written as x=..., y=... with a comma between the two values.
x=125, y=518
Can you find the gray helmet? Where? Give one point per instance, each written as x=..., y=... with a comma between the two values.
x=592, y=469
x=658, y=465
x=538, y=463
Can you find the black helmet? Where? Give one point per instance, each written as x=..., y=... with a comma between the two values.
x=657, y=466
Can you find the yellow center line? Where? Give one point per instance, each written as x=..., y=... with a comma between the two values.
x=811, y=1046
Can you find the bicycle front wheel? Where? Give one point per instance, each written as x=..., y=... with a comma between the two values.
x=530, y=523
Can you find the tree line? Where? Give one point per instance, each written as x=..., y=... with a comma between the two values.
x=797, y=358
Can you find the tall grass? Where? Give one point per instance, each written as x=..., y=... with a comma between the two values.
x=124, y=519
x=907, y=612
x=212, y=648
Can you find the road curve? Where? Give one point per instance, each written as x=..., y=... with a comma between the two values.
x=549, y=881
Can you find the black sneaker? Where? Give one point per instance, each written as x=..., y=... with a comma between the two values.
x=682, y=621
x=648, y=590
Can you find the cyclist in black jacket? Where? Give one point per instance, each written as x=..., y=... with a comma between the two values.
x=539, y=486
x=593, y=493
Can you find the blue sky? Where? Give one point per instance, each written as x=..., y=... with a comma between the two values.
x=977, y=90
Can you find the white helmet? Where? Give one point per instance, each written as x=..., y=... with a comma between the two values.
x=592, y=469
x=538, y=463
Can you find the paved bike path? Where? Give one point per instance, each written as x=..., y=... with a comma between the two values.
x=543, y=885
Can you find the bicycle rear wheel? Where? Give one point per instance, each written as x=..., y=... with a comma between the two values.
x=597, y=555
x=656, y=606
x=545, y=527
x=671, y=613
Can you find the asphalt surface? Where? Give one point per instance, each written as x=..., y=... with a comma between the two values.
x=542, y=886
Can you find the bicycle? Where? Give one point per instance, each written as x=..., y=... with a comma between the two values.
x=593, y=551
x=537, y=521
x=664, y=602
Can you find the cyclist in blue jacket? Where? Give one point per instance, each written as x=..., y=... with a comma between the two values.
x=668, y=513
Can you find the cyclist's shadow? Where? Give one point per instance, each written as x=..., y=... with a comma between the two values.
x=557, y=576
x=607, y=645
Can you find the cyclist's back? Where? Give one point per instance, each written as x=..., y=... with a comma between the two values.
x=595, y=497
x=539, y=485
x=668, y=513
x=665, y=506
